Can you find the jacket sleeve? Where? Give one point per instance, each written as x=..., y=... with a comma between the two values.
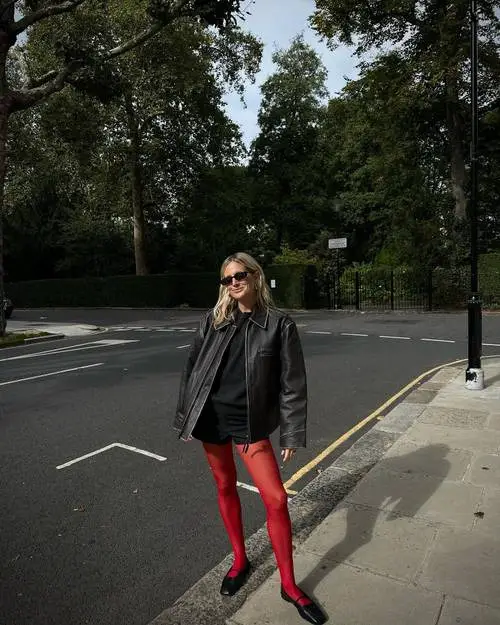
x=293, y=393
x=188, y=368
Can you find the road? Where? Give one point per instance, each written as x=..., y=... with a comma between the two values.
x=117, y=536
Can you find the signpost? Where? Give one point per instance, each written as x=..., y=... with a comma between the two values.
x=337, y=244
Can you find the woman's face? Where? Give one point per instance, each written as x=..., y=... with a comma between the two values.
x=242, y=288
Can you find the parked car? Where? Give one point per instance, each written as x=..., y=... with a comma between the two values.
x=8, y=307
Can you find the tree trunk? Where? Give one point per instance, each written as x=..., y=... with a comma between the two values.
x=456, y=141
x=141, y=266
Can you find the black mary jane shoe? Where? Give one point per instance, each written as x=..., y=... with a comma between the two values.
x=310, y=612
x=231, y=584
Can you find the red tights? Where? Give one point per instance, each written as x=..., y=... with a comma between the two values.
x=263, y=468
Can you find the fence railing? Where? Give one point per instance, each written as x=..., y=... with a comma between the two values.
x=406, y=289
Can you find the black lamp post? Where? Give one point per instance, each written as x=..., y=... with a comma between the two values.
x=474, y=377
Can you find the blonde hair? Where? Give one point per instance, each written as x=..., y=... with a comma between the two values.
x=226, y=305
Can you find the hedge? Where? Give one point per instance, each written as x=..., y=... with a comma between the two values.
x=197, y=290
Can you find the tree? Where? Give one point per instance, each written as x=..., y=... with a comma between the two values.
x=383, y=166
x=283, y=155
x=217, y=218
x=433, y=39
x=84, y=61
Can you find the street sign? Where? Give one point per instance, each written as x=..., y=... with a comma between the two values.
x=336, y=244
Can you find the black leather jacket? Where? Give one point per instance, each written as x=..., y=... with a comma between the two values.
x=275, y=372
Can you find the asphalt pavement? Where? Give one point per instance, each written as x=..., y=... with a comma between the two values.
x=118, y=536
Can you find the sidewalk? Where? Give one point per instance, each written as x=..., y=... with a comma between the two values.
x=406, y=524
x=417, y=541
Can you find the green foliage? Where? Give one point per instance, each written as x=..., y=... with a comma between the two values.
x=290, y=279
x=141, y=151
x=216, y=219
x=168, y=290
x=284, y=159
x=430, y=42
x=289, y=256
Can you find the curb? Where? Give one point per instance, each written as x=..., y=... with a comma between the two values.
x=202, y=604
x=42, y=339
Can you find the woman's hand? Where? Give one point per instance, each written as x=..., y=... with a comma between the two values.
x=287, y=454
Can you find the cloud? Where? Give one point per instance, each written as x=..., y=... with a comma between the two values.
x=276, y=23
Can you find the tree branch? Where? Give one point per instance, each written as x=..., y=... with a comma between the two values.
x=24, y=99
x=135, y=41
x=176, y=12
x=53, y=81
x=48, y=11
x=38, y=82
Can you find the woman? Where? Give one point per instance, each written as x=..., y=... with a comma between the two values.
x=244, y=377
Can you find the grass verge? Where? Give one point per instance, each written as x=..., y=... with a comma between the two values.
x=11, y=339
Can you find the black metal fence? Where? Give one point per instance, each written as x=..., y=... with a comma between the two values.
x=405, y=289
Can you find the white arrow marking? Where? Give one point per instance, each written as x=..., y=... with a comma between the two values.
x=46, y=375
x=108, y=447
x=73, y=348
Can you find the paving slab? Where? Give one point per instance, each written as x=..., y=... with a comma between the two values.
x=366, y=538
x=419, y=495
x=446, y=375
x=421, y=396
x=400, y=418
x=454, y=417
x=493, y=422
x=489, y=520
x=486, y=441
x=483, y=401
x=349, y=596
x=485, y=470
x=460, y=612
x=464, y=564
x=407, y=456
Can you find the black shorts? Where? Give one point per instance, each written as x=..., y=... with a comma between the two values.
x=213, y=429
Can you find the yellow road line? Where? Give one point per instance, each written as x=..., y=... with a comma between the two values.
x=331, y=448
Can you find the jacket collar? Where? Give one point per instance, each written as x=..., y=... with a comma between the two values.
x=260, y=317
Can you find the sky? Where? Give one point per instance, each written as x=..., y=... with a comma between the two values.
x=276, y=23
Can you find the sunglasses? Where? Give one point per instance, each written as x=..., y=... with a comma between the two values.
x=238, y=276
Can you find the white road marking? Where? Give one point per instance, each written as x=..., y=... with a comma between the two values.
x=117, y=341
x=491, y=344
x=316, y=332
x=103, y=449
x=254, y=489
x=46, y=375
x=398, y=338
x=73, y=348
x=191, y=330
x=183, y=346
x=352, y=334
x=437, y=341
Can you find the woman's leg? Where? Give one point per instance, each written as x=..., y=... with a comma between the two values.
x=263, y=468
x=221, y=461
